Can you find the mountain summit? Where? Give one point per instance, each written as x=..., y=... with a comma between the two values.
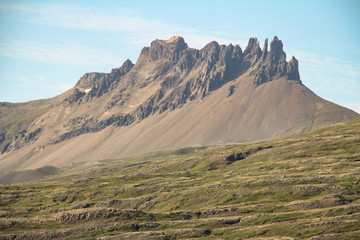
x=174, y=96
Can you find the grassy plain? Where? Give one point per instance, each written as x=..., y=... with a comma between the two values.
x=304, y=187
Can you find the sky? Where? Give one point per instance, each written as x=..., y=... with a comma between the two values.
x=46, y=46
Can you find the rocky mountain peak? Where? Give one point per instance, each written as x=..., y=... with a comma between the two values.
x=211, y=50
x=252, y=51
x=88, y=80
x=276, y=54
x=252, y=44
x=127, y=65
x=164, y=49
x=272, y=65
x=125, y=68
x=177, y=40
x=265, y=50
x=293, y=69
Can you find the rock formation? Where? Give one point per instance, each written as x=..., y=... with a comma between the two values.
x=174, y=96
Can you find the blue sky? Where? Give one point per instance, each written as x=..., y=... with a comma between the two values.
x=46, y=46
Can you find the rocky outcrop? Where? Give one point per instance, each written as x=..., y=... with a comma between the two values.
x=78, y=126
x=252, y=52
x=88, y=80
x=97, y=213
x=21, y=139
x=242, y=155
x=170, y=50
x=293, y=69
x=125, y=68
x=268, y=66
x=97, y=84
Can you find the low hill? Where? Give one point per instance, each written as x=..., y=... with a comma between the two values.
x=304, y=187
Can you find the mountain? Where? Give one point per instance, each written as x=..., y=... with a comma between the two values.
x=174, y=96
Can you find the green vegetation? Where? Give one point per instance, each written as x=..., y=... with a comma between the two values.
x=299, y=188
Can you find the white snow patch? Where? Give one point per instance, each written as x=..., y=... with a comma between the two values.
x=87, y=90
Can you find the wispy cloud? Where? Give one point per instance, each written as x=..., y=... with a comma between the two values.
x=132, y=29
x=40, y=81
x=58, y=53
x=63, y=87
x=331, y=78
x=325, y=71
x=80, y=17
x=139, y=31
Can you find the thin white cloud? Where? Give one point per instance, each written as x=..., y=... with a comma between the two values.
x=322, y=71
x=139, y=31
x=331, y=78
x=40, y=81
x=80, y=17
x=32, y=79
x=59, y=86
x=67, y=53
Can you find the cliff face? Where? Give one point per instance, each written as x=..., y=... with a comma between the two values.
x=217, y=94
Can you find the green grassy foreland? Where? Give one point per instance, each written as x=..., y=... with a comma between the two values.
x=305, y=187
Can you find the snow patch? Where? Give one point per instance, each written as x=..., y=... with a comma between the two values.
x=87, y=90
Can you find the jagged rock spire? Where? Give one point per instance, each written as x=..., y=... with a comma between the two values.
x=253, y=51
x=265, y=50
x=127, y=65
x=276, y=54
x=293, y=69
x=273, y=64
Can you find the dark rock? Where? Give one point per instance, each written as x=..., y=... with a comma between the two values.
x=293, y=70
x=276, y=54
x=230, y=91
x=75, y=97
x=88, y=80
x=273, y=64
x=265, y=50
x=165, y=49
x=125, y=68
x=230, y=221
x=2, y=137
x=334, y=200
x=21, y=139
x=253, y=51
x=242, y=155
x=148, y=225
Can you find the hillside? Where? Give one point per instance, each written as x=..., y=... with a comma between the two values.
x=304, y=187
x=174, y=96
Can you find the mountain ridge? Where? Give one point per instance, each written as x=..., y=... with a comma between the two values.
x=156, y=103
